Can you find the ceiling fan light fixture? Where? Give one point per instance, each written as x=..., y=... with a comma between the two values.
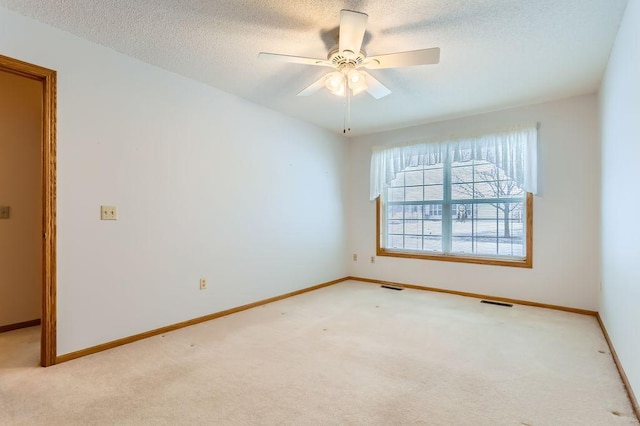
x=340, y=91
x=356, y=80
x=346, y=58
x=359, y=90
x=335, y=83
x=334, y=80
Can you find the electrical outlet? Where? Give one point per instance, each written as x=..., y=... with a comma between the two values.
x=5, y=212
x=373, y=259
x=355, y=257
x=203, y=283
x=108, y=213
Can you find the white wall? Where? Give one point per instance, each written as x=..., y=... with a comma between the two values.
x=206, y=185
x=566, y=210
x=620, y=122
x=21, y=190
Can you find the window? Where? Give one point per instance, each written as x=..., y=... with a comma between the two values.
x=462, y=201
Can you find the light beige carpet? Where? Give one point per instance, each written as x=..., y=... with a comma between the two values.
x=352, y=353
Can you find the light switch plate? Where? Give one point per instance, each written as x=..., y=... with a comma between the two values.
x=5, y=212
x=108, y=213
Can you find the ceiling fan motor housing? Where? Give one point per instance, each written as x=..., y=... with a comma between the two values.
x=340, y=59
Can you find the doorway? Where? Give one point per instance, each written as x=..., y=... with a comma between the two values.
x=48, y=202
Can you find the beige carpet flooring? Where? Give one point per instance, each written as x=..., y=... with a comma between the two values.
x=349, y=354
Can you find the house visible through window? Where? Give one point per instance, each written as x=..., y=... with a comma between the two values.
x=462, y=201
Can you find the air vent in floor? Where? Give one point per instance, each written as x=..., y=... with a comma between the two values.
x=391, y=287
x=491, y=302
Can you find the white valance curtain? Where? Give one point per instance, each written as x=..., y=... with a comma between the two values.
x=514, y=151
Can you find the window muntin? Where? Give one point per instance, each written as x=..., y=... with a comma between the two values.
x=485, y=214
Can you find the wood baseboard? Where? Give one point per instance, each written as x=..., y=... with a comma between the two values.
x=19, y=325
x=479, y=296
x=130, y=339
x=623, y=375
x=166, y=329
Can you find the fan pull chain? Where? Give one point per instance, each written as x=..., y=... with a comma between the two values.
x=347, y=111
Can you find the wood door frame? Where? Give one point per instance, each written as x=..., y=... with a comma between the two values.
x=48, y=149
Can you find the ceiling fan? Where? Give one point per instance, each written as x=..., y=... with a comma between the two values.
x=348, y=59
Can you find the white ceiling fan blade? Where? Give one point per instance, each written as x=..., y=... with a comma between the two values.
x=374, y=87
x=404, y=59
x=294, y=59
x=313, y=87
x=352, y=28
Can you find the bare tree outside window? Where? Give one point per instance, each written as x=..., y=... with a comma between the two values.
x=496, y=185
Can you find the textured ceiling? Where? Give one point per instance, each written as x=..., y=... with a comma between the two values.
x=494, y=53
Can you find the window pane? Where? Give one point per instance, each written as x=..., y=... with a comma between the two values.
x=432, y=210
x=395, y=241
x=462, y=191
x=413, y=227
x=398, y=181
x=509, y=189
x=433, y=192
x=481, y=168
x=396, y=194
x=413, y=193
x=413, y=168
x=412, y=212
x=462, y=174
x=432, y=225
x=485, y=189
x=489, y=229
x=433, y=228
x=433, y=175
x=462, y=236
x=502, y=175
x=432, y=239
x=512, y=238
x=395, y=212
x=413, y=178
x=432, y=244
x=412, y=242
x=479, y=235
x=395, y=226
